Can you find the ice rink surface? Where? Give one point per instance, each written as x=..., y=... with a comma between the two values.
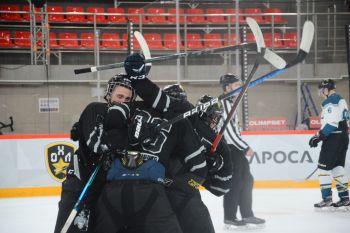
x=285, y=211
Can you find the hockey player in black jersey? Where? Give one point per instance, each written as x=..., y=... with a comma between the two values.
x=189, y=204
x=134, y=197
x=96, y=134
x=240, y=194
x=335, y=140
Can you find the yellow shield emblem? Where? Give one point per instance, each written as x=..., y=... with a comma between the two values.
x=57, y=158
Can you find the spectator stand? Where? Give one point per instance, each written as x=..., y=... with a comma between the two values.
x=71, y=27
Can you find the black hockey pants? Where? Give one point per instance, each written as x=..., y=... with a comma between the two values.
x=240, y=193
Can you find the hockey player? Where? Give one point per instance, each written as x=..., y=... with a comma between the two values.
x=189, y=204
x=96, y=134
x=335, y=140
x=134, y=196
x=240, y=194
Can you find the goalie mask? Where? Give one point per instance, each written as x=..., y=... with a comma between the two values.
x=212, y=114
x=176, y=91
x=227, y=79
x=115, y=81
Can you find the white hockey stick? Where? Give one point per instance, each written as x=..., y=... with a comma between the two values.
x=305, y=45
x=144, y=48
x=273, y=58
x=251, y=46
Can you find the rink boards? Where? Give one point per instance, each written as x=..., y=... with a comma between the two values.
x=33, y=165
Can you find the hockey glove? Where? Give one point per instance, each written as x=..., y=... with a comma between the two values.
x=74, y=132
x=117, y=116
x=313, y=142
x=135, y=66
x=141, y=131
x=214, y=162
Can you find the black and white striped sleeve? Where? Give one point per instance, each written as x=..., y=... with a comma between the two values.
x=219, y=183
x=152, y=94
x=232, y=133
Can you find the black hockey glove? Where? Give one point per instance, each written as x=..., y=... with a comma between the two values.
x=117, y=116
x=141, y=131
x=214, y=162
x=75, y=132
x=313, y=142
x=135, y=66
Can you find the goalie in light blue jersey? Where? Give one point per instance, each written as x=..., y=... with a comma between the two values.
x=335, y=140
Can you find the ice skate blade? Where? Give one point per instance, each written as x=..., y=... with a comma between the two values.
x=248, y=227
x=230, y=227
x=325, y=209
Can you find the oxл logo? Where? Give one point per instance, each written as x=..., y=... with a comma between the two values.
x=57, y=158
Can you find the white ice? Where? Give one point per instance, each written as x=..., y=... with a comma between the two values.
x=285, y=211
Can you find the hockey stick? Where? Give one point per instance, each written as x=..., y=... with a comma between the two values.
x=307, y=38
x=169, y=57
x=144, y=48
x=260, y=43
x=83, y=193
x=306, y=178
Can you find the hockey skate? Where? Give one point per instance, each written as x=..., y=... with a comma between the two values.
x=254, y=222
x=342, y=205
x=325, y=205
x=234, y=225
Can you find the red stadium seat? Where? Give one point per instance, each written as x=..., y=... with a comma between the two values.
x=194, y=41
x=87, y=40
x=5, y=39
x=277, y=18
x=125, y=42
x=197, y=19
x=55, y=17
x=250, y=37
x=116, y=18
x=27, y=16
x=233, y=38
x=52, y=42
x=22, y=39
x=253, y=11
x=111, y=41
x=212, y=40
x=99, y=18
x=10, y=16
x=233, y=16
x=170, y=41
x=154, y=40
x=172, y=19
x=136, y=18
x=77, y=18
x=68, y=40
x=156, y=18
x=290, y=40
x=216, y=18
x=277, y=40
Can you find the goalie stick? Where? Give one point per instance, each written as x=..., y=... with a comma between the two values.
x=305, y=45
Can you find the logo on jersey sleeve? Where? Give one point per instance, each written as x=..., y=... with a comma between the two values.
x=57, y=158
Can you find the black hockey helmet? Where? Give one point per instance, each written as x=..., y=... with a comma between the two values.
x=211, y=114
x=226, y=79
x=329, y=84
x=118, y=80
x=176, y=91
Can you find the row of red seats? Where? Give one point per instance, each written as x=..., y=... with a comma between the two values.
x=195, y=19
x=154, y=40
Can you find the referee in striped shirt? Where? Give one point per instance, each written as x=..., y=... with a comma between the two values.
x=242, y=180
